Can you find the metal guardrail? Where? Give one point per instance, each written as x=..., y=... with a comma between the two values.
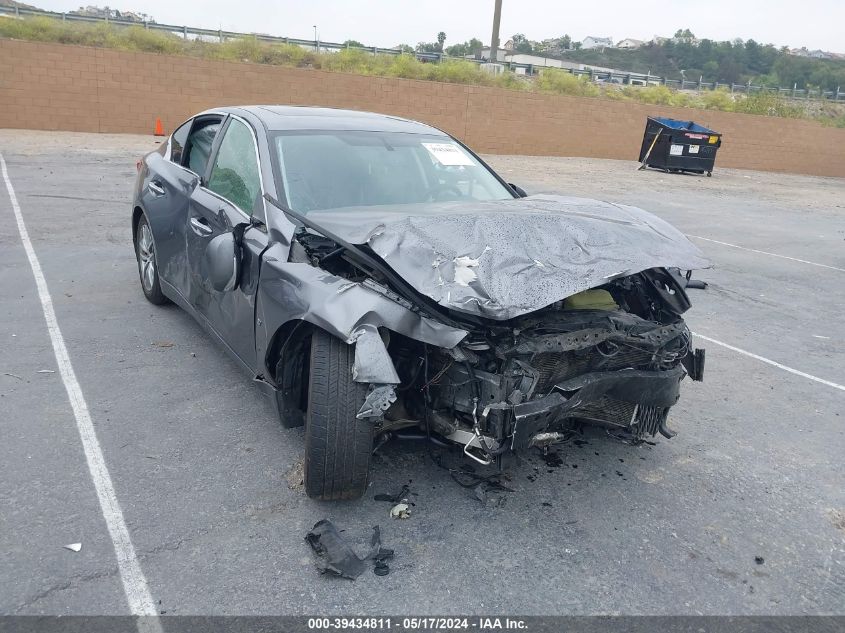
x=630, y=79
x=222, y=35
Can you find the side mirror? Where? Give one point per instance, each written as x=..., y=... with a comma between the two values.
x=222, y=262
x=518, y=190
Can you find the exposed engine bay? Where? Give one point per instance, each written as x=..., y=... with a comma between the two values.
x=526, y=383
x=612, y=356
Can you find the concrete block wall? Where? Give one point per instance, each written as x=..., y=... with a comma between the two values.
x=58, y=87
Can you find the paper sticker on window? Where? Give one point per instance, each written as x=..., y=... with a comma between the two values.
x=448, y=154
x=693, y=149
x=676, y=150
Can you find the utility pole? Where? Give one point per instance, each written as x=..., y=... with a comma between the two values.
x=494, y=39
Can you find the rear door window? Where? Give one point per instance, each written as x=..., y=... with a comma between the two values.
x=235, y=172
x=177, y=142
x=198, y=146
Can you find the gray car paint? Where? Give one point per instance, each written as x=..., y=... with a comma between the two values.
x=505, y=258
x=274, y=293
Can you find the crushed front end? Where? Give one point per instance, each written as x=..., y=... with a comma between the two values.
x=612, y=356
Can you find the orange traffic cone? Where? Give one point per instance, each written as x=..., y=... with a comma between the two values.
x=159, y=128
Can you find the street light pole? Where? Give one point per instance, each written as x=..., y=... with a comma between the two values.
x=494, y=39
x=316, y=41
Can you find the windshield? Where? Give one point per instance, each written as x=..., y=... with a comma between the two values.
x=332, y=169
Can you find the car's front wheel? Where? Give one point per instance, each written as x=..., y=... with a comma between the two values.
x=145, y=253
x=337, y=444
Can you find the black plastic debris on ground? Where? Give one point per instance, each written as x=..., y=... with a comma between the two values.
x=553, y=459
x=380, y=554
x=336, y=557
x=395, y=498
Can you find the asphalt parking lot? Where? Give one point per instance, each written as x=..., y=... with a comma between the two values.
x=208, y=482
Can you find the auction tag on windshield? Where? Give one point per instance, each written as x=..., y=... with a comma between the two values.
x=676, y=150
x=693, y=149
x=448, y=154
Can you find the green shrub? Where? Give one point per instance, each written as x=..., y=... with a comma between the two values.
x=834, y=121
x=564, y=83
x=405, y=66
x=350, y=60
x=768, y=104
x=719, y=99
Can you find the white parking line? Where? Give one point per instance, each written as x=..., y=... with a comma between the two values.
x=134, y=582
x=771, y=362
x=754, y=250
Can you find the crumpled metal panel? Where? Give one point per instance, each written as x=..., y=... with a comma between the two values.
x=372, y=362
x=377, y=402
x=506, y=258
x=351, y=311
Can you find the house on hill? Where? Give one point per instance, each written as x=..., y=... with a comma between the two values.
x=629, y=44
x=597, y=42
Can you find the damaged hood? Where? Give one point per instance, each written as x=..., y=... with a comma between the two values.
x=505, y=258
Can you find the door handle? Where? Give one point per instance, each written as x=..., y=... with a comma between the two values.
x=155, y=187
x=200, y=227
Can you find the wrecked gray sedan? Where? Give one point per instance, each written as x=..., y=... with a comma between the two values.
x=376, y=278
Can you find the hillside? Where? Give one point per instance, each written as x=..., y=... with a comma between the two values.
x=725, y=62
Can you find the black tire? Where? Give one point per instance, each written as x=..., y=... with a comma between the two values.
x=337, y=444
x=145, y=255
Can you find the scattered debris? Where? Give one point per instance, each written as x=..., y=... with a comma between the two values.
x=164, y=344
x=401, y=510
x=12, y=375
x=759, y=560
x=381, y=554
x=489, y=493
x=395, y=498
x=552, y=459
x=46, y=371
x=336, y=557
x=74, y=547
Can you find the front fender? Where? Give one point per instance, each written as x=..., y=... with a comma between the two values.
x=350, y=311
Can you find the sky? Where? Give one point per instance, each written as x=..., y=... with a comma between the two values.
x=816, y=24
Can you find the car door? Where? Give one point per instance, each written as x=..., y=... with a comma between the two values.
x=190, y=157
x=164, y=195
x=223, y=201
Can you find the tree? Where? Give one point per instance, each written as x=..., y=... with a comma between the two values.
x=428, y=47
x=521, y=44
x=565, y=42
x=354, y=43
x=577, y=46
x=472, y=47
x=441, y=37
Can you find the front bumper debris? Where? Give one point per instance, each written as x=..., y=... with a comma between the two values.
x=649, y=394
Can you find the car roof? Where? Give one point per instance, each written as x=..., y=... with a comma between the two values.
x=284, y=118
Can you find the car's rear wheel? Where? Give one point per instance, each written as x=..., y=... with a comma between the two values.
x=337, y=444
x=145, y=253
